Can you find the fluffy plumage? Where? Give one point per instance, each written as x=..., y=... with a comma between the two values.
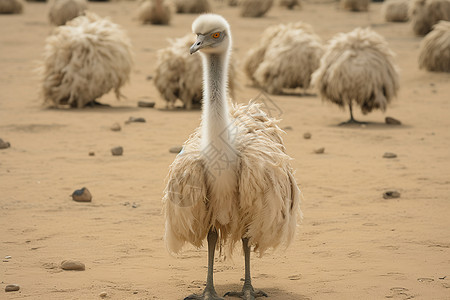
x=11, y=6
x=192, y=6
x=357, y=67
x=154, y=12
x=355, y=5
x=290, y=4
x=434, y=52
x=61, y=11
x=425, y=13
x=83, y=60
x=395, y=10
x=255, y=8
x=177, y=73
x=285, y=57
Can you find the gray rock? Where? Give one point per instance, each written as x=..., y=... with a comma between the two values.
x=286, y=128
x=176, y=149
x=116, y=127
x=72, y=265
x=146, y=104
x=4, y=145
x=117, y=151
x=319, y=151
x=389, y=155
x=392, y=121
x=307, y=135
x=391, y=195
x=12, y=288
x=103, y=294
x=135, y=120
x=82, y=195
x=91, y=153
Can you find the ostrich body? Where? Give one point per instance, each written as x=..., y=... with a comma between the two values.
x=248, y=192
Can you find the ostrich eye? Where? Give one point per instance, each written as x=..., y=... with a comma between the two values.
x=216, y=35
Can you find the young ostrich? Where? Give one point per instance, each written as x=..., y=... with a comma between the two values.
x=61, y=11
x=192, y=6
x=11, y=6
x=254, y=8
x=156, y=12
x=434, y=51
x=357, y=67
x=355, y=5
x=233, y=180
x=395, y=10
x=425, y=13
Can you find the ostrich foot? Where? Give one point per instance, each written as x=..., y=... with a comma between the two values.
x=352, y=121
x=248, y=293
x=208, y=294
x=95, y=103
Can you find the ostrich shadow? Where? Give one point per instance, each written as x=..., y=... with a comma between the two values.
x=273, y=292
x=371, y=125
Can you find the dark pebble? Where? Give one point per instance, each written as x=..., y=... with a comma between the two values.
x=392, y=121
x=389, y=155
x=391, y=195
x=135, y=120
x=307, y=135
x=320, y=150
x=82, y=195
x=117, y=151
x=72, y=265
x=4, y=145
x=12, y=288
x=146, y=104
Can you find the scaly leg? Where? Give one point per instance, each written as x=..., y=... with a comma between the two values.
x=352, y=120
x=209, y=293
x=248, y=293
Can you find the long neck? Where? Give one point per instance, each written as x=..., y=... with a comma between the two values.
x=217, y=127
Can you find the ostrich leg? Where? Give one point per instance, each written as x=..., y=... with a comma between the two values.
x=352, y=120
x=248, y=293
x=209, y=293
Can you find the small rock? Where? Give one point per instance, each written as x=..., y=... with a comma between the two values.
x=103, y=294
x=392, y=121
x=91, y=153
x=149, y=77
x=82, y=195
x=72, y=265
x=320, y=150
x=117, y=151
x=176, y=149
x=135, y=120
x=8, y=257
x=391, y=195
x=4, y=145
x=146, y=104
x=389, y=155
x=135, y=292
x=286, y=128
x=116, y=127
x=12, y=288
x=307, y=135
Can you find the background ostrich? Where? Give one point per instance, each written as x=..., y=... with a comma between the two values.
x=61, y=11
x=355, y=5
x=248, y=191
x=425, y=13
x=357, y=67
x=83, y=60
x=177, y=71
x=290, y=59
x=395, y=10
x=290, y=4
x=434, y=52
x=154, y=12
x=192, y=6
x=255, y=8
x=11, y=6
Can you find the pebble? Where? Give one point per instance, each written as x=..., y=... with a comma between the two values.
x=72, y=265
x=8, y=257
x=307, y=135
x=117, y=151
x=149, y=77
x=12, y=288
x=91, y=153
x=82, y=195
x=146, y=104
x=4, y=145
x=103, y=294
x=391, y=195
x=286, y=128
x=320, y=150
x=392, y=121
x=116, y=127
x=389, y=155
x=176, y=149
x=135, y=120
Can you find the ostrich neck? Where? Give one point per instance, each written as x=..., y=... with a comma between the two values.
x=217, y=126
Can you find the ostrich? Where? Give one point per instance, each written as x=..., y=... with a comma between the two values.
x=290, y=4
x=233, y=180
x=395, y=10
x=11, y=6
x=255, y=8
x=434, y=51
x=425, y=13
x=154, y=12
x=61, y=11
x=192, y=6
x=357, y=67
x=355, y=5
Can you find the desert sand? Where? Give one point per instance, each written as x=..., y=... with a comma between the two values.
x=352, y=243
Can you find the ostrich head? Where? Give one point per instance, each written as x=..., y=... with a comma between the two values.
x=213, y=34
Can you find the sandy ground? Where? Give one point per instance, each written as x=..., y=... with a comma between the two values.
x=353, y=244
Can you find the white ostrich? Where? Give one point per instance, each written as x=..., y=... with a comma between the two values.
x=357, y=67
x=425, y=13
x=355, y=5
x=233, y=180
x=154, y=12
x=395, y=10
x=11, y=6
x=61, y=11
x=254, y=8
x=434, y=51
x=83, y=60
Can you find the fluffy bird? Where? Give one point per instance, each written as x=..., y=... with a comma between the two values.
x=434, y=51
x=11, y=6
x=425, y=13
x=61, y=11
x=290, y=4
x=233, y=180
x=355, y=5
x=84, y=59
x=357, y=67
x=192, y=6
x=254, y=8
x=395, y=10
x=177, y=74
x=285, y=57
x=156, y=12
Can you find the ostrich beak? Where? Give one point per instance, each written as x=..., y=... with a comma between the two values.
x=198, y=44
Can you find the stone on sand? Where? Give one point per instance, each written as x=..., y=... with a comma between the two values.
x=82, y=195
x=12, y=288
x=320, y=150
x=176, y=149
x=135, y=120
x=103, y=294
x=391, y=195
x=392, y=121
x=307, y=135
x=116, y=127
x=117, y=151
x=4, y=145
x=72, y=265
x=389, y=155
x=146, y=104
